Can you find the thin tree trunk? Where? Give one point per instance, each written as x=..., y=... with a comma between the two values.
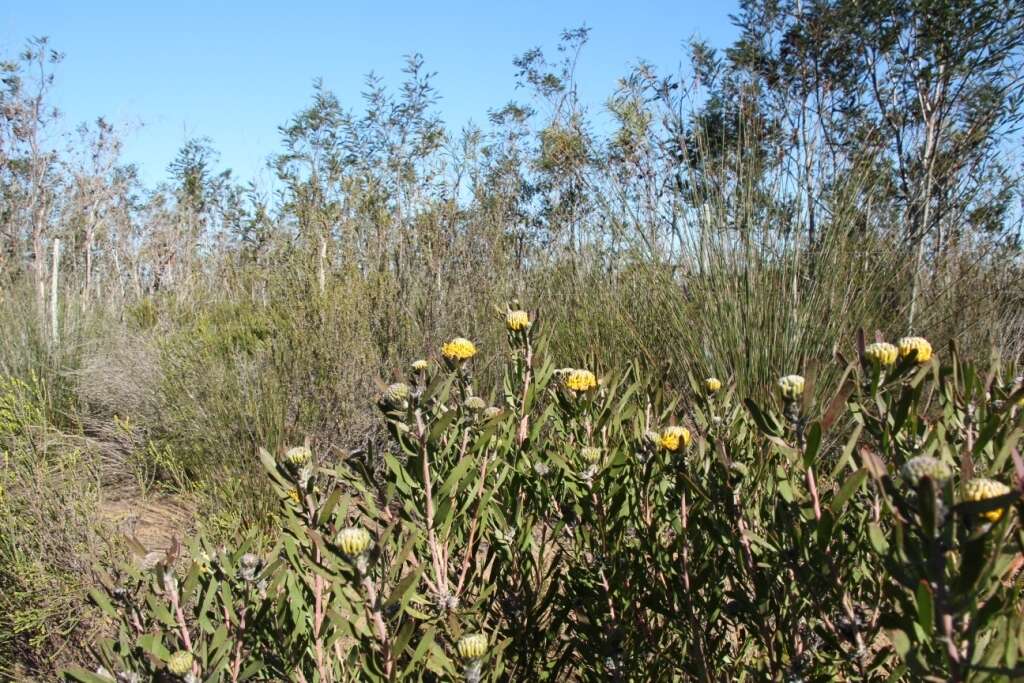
x=54, y=326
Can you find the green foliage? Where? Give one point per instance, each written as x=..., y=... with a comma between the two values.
x=621, y=528
x=51, y=536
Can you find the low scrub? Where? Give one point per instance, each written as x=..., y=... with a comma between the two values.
x=597, y=524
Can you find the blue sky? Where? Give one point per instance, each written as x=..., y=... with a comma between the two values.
x=234, y=72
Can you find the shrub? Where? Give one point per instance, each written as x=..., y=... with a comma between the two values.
x=618, y=528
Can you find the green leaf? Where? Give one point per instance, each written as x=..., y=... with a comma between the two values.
x=812, y=444
x=925, y=609
x=877, y=538
x=900, y=642
x=849, y=487
x=79, y=674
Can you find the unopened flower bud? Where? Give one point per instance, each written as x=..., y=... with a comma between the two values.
x=473, y=646
x=354, y=541
x=917, y=468
x=474, y=404
x=881, y=354
x=298, y=456
x=791, y=386
x=180, y=663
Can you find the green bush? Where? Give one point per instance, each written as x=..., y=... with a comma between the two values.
x=572, y=525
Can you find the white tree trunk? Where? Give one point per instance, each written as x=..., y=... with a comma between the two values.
x=54, y=327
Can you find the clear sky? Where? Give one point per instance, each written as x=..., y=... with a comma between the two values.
x=234, y=72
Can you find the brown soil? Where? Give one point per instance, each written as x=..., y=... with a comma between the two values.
x=152, y=521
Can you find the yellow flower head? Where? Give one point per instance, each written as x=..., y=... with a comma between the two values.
x=675, y=438
x=712, y=385
x=353, y=541
x=517, y=321
x=983, y=489
x=791, y=386
x=298, y=456
x=180, y=663
x=581, y=380
x=473, y=646
x=293, y=495
x=881, y=354
x=917, y=468
x=420, y=365
x=919, y=344
x=591, y=454
x=459, y=348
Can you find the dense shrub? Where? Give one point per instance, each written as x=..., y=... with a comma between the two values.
x=599, y=523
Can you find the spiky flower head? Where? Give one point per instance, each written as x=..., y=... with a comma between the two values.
x=919, y=344
x=298, y=456
x=675, y=438
x=396, y=394
x=458, y=349
x=882, y=354
x=180, y=663
x=492, y=412
x=591, y=454
x=472, y=646
x=353, y=541
x=581, y=380
x=475, y=404
x=517, y=321
x=921, y=466
x=791, y=386
x=712, y=385
x=420, y=365
x=983, y=489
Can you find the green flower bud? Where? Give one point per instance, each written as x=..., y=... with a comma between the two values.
x=354, y=541
x=473, y=646
x=180, y=663
x=917, y=468
x=298, y=456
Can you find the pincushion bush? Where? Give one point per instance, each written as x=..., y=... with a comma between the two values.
x=596, y=524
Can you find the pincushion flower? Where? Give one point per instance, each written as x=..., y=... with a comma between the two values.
x=458, y=349
x=984, y=489
x=581, y=380
x=517, y=321
x=907, y=345
x=881, y=354
x=675, y=438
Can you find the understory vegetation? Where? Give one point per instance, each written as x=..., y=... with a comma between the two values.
x=586, y=393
